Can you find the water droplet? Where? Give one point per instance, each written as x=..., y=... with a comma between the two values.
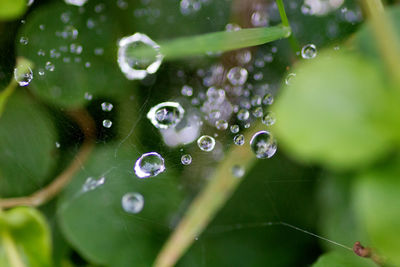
x=256, y=101
x=58, y=145
x=92, y=183
x=238, y=171
x=166, y=115
x=76, y=2
x=132, y=202
x=268, y=99
x=243, y=114
x=99, y=51
x=107, y=123
x=41, y=53
x=221, y=124
x=206, y=143
x=24, y=40
x=238, y=139
x=235, y=128
x=105, y=106
x=49, y=66
x=42, y=27
x=257, y=112
x=133, y=66
x=190, y=6
x=69, y=32
x=309, y=51
x=306, y=9
x=269, y=118
x=187, y=90
x=149, y=165
x=237, y=75
x=23, y=75
x=232, y=27
x=186, y=159
x=263, y=145
x=88, y=96
x=259, y=18
x=289, y=78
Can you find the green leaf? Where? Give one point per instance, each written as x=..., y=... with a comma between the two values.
x=24, y=238
x=95, y=223
x=342, y=259
x=214, y=42
x=12, y=9
x=27, y=146
x=377, y=202
x=82, y=48
x=336, y=112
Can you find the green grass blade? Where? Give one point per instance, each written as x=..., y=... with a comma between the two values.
x=214, y=42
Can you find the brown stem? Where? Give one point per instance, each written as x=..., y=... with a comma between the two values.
x=42, y=196
x=366, y=252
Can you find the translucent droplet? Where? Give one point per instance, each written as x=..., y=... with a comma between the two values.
x=166, y=115
x=49, y=66
x=132, y=202
x=190, y=6
x=257, y=112
x=263, y=144
x=268, y=99
x=238, y=171
x=243, y=114
x=269, y=118
x=99, y=51
x=289, y=78
x=41, y=53
x=88, y=96
x=306, y=9
x=256, y=101
x=247, y=125
x=105, y=106
x=41, y=72
x=221, y=124
x=235, y=128
x=206, y=143
x=58, y=145
x=23, y=75
x=134, y=66
x=309, y=51
x=23, y=40
x=187, y=90
x=92, y=183
x=76, y=2
x=238, y=139
x=69, y=32
x=237, y=75
x=186, y=159
x=149, y=165
x=259, y=18
x=107, y=123
x=232, y=27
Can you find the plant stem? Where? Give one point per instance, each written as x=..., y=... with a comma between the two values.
x=285, y=22
x=11, y=250
x=203, y=209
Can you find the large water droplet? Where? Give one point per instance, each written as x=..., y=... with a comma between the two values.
x=134, y=66
x=309, y=51
x=132, y=202
x=237, y=75
x=263, y=145
x=23, y=75
x=166, y=115
x=186, y=159
x=149, y=165
x=206, y=143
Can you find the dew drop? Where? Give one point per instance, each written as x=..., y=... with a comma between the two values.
x=24, y=40
x=76, y=2
x=256, y=101
x=149, y=165
x=269, y=118
x=49, y=66
x=134, y=66
x=23, y=75
x=232, y=27
x=206, y=143
x=259, y=18
x=69, y=32
x=187, y=90
x=189, y=6
x=309, y=51
x=234, y=128
x=107, y=123
x=237, y=75
x=221, y=124
x=92, y=183
x=88, y=96
x=263, y=145
x=238, y=139
x=289, y=78
x=186, y=159
x=166, y=115
x=243, y=114
x=238, y=171
x=105, y=106
x=132, y=202
x=268, y=99
x=257, y=112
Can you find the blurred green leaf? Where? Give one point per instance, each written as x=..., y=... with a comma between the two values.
x=377, y=202
x=97, y=226
x=12, y=9
x=24, y=237
x=335, y=112
x=75, y=53
x=27, y=146
x=342, y=259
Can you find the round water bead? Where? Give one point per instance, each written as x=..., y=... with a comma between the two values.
x=132, y=202
x=257, y=112
x=221, y=124
x=186, y=159
x=268, y=99
x=289, y=78
x=166, y=115
x=238, y=139
x=92, y=183
x=105, y=106
x=187, y=90
x=107, y=123
x=23, y=75
x=269, y=118
x=237, y=75
x=234, y=128
x=149, y=165
x=243, y=114
x=259, y=18
x=133, y=65
x=263, y=144
x=49, y=66
x=23, y=40
x=309, y=51
x=76, y=2
x=238, y=171
x=206, y=143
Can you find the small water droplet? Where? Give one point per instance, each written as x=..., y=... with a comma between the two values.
x=238, y=171
x=268, y=99
x=107, y=123
x=49, y=66
x=263, y=145
x=243, y=114
x=237, y=75
x=206, y=143
x=289, y=78
x=259, y=18
x=257, y=112
x=105, y=106
x=166, y=115
x=58, y=145
x=92, y=183
x=232, y=27
x=187, y=90
x=24, y=40
x=238, y=139
x=309, y=51
x=221, y=124
x=269, y=118
x=69, y=32
x=186, y=159
x=88, y=96
x=189, y=6
x=23, y=75
x=149, y=165
x=132, y=202
x=235, y=128
x=41, y=53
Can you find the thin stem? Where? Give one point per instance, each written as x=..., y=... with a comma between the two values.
x=221, y=186
x=42, y=196
x=11, y=250
x=285, y=22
